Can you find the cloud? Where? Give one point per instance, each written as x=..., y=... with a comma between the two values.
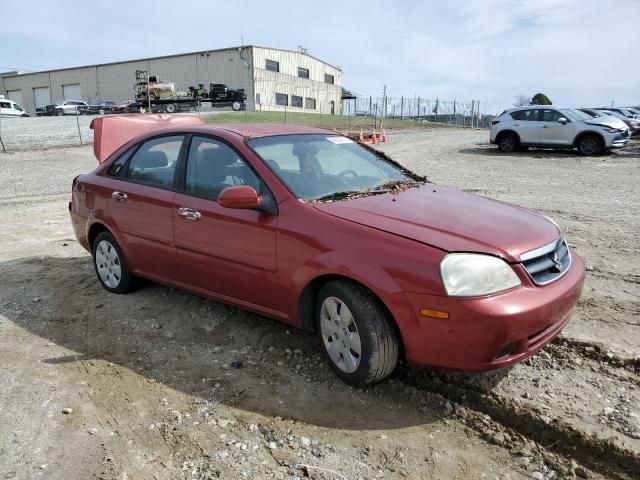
x=578, y=52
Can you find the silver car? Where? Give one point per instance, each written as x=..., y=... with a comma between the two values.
x=552, y=127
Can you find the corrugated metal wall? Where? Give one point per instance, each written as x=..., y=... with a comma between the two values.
x=286, y=81
x=115, y=82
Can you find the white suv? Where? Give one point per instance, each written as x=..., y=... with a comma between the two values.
x=70, y=107
x=551, y=127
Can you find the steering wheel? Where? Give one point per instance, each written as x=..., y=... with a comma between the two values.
x=347, y=172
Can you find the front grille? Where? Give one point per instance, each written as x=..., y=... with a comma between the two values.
x=548, y=263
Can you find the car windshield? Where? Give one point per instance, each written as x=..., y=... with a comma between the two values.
x=329, y=167
x=575, y=114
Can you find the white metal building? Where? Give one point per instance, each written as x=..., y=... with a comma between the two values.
x=272, y=78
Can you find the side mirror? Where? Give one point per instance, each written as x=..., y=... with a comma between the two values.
x=563, y=120
x=240, y=196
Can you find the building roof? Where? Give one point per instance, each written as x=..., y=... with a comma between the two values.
x=203, y=52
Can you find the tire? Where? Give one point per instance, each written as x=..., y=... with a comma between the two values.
x=171, y=108
x=153, y=96
x=350, y=318
x=235, y=106
x=142, y=110
x=59, y=112
x=508, y=142
x=590, y=145
x=111, y=266
x=101, y=111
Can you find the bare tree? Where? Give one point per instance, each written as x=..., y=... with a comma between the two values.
x=521, y=101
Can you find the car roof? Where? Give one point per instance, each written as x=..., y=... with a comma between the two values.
x=254, y=130
x=529, y=107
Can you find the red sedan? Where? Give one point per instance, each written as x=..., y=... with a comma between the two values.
x=307, y=226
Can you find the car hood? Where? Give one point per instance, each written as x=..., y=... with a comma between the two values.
x=608, y=120
x=450, y=220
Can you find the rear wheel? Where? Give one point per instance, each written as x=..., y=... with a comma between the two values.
x=508, y=142
x=359, y=338
x=111, y=266
x=590, y=145
x=59, y=112
x=101, y=111
x=171, y=108
x=235, y=106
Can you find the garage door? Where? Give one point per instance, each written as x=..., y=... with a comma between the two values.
x=16, y=96
x=71, y=92
x=42, y=96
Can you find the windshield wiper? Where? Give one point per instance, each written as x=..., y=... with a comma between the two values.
x=395, y=183
x=337, y=195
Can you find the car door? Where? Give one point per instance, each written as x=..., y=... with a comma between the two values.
x=554, y=132
x=221, y=250
x=141, y=203
x=526, y=125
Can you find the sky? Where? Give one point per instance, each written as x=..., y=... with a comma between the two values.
x=577, y=52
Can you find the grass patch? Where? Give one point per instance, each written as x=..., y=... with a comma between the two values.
x=339, y=122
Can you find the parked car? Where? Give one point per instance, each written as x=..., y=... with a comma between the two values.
x=635, y=111
x=130, y=106
x=69, y=107
x=100, y=108
x=632, y=123
x=307, y=226
x=46, y=111
x=552, y=127
x=9, y=108
x=622, y=111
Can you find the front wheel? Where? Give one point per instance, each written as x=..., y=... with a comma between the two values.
x=60, y=112
x=508, y=142
x=359, y=338
x=235, y=106
x=111, y=266
x=590, y=145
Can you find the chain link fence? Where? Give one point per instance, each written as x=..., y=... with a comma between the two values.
x=67, y=122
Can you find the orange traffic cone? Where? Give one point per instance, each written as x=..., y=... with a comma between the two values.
x=360, y=138
x=384, y=136
x=373, y=137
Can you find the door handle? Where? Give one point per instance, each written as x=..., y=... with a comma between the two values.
x=120, y=196
x=545, y=126
x=516, y=124
x=189, y=213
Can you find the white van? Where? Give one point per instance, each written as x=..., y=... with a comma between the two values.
x=9, y=108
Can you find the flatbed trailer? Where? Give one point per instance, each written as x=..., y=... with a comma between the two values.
x=183, y=104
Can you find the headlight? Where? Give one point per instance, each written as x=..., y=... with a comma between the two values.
x=471, y=274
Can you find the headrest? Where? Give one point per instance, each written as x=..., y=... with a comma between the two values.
x=153, y=160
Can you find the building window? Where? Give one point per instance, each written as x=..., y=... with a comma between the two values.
x=296, y=101
x=272, y=65
x=282, y=99
x=257, y=99
x=303, y=72
x=328, y=78
x=310, y=103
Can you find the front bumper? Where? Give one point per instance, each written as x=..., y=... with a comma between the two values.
x=619, y=140
x=484, y=333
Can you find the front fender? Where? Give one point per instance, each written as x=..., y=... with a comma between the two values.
x=348, y=266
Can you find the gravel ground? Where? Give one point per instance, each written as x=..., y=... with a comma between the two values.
x=30, y=133
x=163, y=384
